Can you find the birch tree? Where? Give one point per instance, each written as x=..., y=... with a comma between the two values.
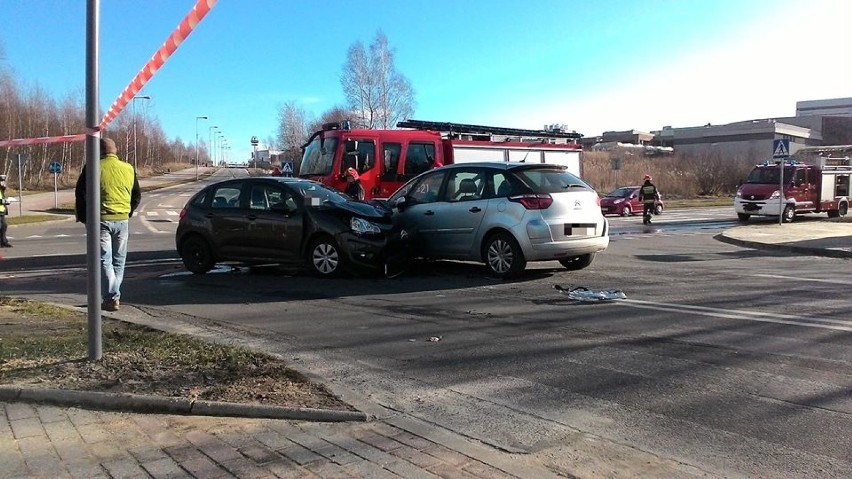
x=376, y=93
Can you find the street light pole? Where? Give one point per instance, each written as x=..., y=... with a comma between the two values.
x=196, y=144
x=133, y=104
x=210, y=144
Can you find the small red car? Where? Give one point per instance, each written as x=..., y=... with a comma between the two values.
x=625, y=201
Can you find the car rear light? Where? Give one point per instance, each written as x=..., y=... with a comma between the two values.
x=182, y=214
x=533, y=202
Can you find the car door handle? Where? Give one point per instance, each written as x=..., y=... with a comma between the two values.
x=429, y=213
x=475, y=209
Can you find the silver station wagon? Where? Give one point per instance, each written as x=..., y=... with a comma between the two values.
x=502, y=214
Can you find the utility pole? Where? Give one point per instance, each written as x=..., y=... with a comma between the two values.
x=133, y=104
x=196, y=144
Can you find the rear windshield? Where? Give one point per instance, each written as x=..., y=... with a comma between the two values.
x=551, y=180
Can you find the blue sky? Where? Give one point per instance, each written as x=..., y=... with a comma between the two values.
x=593, y=66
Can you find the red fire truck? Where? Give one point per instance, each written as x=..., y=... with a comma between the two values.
x=802, y=189
x=385, y=159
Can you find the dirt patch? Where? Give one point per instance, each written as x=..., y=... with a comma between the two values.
x=46, y=347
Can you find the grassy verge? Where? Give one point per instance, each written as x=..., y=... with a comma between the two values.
x=27, y=219
x=47, y=346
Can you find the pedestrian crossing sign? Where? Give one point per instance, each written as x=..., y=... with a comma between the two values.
x=286, y=167
x=780, y=148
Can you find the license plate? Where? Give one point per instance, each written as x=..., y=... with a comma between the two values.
x=579, y=229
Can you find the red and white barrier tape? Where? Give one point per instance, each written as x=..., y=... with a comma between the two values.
x=201, y=8
x=186, y=26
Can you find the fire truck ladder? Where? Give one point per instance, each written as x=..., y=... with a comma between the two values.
x=455, y=130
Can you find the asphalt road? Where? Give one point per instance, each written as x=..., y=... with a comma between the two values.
x=722, y=360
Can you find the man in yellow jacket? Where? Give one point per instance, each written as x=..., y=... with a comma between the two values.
x=120, y=196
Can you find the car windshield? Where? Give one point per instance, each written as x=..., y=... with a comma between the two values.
x=551, y=180
x=620, y=193
x=768, y=175
x=316, y=194
x=318, y=159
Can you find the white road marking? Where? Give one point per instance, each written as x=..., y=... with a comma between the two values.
x=797, y=278
x=778, y=318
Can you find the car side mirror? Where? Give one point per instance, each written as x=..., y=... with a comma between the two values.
x=400, y=203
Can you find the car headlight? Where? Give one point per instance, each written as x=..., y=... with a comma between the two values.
x=360, y=226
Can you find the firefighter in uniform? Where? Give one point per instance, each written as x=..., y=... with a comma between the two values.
x=4, y=210
x=648, y=193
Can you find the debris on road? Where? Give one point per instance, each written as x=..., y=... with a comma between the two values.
x=435, y=339
x=581, y=293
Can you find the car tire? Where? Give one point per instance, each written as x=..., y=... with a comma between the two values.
x=658, y=210
x=789, y=214
x=325, y=257
x=843, y=209
x=626, y=211
x=197, y=255
x=503, y=255
x=575, y=263
x=743, y=217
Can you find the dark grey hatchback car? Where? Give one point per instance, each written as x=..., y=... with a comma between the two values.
x=291, y=221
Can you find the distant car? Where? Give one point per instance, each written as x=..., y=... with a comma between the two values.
x=625, y=201
x=502, y=214
x=261, y=220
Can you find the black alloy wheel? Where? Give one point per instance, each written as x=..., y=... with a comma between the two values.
x=197, y=255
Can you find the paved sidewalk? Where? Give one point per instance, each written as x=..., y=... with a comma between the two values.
x=818, y=238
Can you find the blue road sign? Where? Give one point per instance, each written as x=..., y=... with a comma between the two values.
x=780, y=148
x=55, y=167
x=287, y=168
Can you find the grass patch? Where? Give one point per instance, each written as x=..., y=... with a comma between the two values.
x=27, y=219
x=47, y=347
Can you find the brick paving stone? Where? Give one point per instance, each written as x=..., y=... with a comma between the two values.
x=415, y=457
x=19, y=410
x=273, y=440
x=485, y=471
x=445, y=454
x=214, y=447
x=408, y=470
x=362, y=449
x=93, y=433
x=156, y=429
x=204, y=467
x=244, y=468
x=378, y=440
x=165, y=467
x=183, y=452
x=124, y=467
x=49, y=414
x=108, y=450
x=11, y=462
x=369, y=470
x=27, y=427
x=35, y=447
x=149, y=453
x=61, y=430
x=45, y=465
x=287, y=469
x=410, y=439
x=82, y=417
x=259, y=454
x=300, y=454
x=328, y=470
x=70, y=450
x=448, y=470
x=86, y=470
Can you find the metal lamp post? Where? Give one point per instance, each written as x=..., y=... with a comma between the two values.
x=196, y=144
x=210, y=143
x=133, y=103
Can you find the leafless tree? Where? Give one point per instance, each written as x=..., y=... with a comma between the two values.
x=292, y=127
x=378, y=95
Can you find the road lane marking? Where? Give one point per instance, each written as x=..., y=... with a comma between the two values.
x=778, y=318
x=798, y=278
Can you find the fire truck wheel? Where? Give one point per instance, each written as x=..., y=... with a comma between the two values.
x=743, y=217
x=843, y=209
x=789, y=214
x=503, y=255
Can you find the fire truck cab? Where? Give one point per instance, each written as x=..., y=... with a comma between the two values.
x=385, y=159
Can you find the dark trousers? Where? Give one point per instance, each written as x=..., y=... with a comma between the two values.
x=3, y=227
x=647, y=211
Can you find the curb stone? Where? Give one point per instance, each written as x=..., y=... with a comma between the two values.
x=138, y=403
